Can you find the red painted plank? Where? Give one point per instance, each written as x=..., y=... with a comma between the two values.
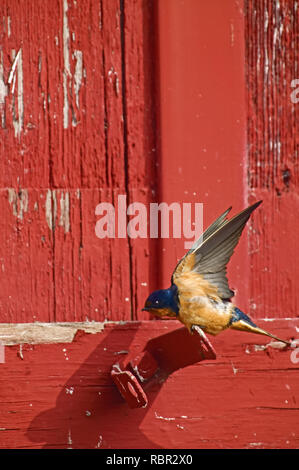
x=202, y=118
x=29, y=87
x=62, y=396
x=140, y=101
x=271, y=33
x=26, y=256
x=91, y=275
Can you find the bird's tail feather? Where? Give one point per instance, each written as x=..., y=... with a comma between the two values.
x=242, y=322
x=241, y=325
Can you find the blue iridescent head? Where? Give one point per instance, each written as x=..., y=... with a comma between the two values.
x=163, y=302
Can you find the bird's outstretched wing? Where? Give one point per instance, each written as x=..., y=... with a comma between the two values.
x=222, y=219
x=210, y=254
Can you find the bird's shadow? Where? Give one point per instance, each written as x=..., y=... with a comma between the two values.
x=90, y=412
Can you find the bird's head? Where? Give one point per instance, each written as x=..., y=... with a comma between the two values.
x=163, y=302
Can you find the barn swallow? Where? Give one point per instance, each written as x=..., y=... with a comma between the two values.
x=199, y=294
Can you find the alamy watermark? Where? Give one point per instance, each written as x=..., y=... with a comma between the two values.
x=295, y=93
x=153, y=220
x=2, y=353
x=295, y=354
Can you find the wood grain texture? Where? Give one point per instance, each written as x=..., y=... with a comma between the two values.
x=62, y=396
x=77, y=129
x=271, y=58
x=26, y=247
x=140, y=101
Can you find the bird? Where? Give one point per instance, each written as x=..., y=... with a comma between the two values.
x=199, y=295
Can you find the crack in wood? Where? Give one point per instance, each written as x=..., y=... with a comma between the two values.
x=133, y=300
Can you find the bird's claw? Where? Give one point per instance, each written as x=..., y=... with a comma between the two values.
x=206, y=343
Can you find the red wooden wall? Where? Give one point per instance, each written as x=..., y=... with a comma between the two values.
x=77, y=113
x=160, y=101
x=271, y=33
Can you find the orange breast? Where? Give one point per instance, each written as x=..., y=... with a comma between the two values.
x=200, y=304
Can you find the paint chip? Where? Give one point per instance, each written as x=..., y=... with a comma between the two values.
x=19, y=201
x=64, y=220
x=163, y=417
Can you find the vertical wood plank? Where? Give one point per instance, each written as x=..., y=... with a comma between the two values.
x=29, y=77
x=140, y=101
x=95, y=273
x=26, y=259
x=91, y=274
x=272, y=32
x=202, y=119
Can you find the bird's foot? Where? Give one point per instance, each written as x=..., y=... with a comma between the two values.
x=207, y=344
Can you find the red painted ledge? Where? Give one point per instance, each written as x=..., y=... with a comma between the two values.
x=61, y=395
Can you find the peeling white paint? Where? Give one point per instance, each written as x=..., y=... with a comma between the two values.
x=51, y=208
x=14, y=65
x=39, y=63
x=78, y=75
x=8, y=26
x=280, y=319
x=69, y=439
x=64, y=220
x=13, y=87
x=23, y=202
x=99, y=443
x=66, y=58
x=18, y=201
x=15, y=75
x=3, y=86
x=21, y=351
x=48, y=207
x=123, y=351
x=232, y=34
x=12, y=199
x=17, y=66
x=140, y=377
x=70, y=81
x=163, y=417
x=113, y=76
x=272, y=344
x=65, y=354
